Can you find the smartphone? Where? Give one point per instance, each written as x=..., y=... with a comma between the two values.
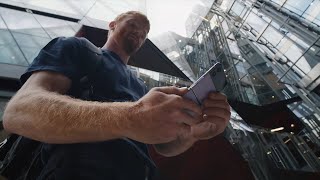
x=214, y=80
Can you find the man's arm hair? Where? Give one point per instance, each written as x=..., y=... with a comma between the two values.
x=40, y=111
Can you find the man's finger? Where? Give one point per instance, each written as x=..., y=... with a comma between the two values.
x=208, y=103
x=189, y=118
x=204, y=130
x=186, y=104
x=221, y=123
x=172, y=90
x=218, y=112
x=184, y=130
x=217, y=96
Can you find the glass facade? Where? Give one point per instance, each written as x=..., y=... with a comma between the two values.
x=269, y=57
x=104, y=10
x=23, y=34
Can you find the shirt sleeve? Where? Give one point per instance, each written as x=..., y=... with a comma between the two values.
x=60, y=55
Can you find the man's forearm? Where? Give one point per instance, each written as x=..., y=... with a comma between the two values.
x=55, y=118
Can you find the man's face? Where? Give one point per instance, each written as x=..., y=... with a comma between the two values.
x=130, y=33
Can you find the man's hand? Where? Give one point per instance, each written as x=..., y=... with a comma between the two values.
x=160, y=116
x=215, y=117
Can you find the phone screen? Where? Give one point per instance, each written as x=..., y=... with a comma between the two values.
x=214, y=80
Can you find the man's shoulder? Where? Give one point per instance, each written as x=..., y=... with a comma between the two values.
x=72, y=41
x=76, y=43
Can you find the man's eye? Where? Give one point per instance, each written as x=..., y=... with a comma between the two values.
x=132, y=24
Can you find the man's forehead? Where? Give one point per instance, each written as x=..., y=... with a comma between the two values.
x=137, y=18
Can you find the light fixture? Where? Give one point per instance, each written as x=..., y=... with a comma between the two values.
x=272, y=97
x=277, y=129
x=269, y=152
x=292, y=125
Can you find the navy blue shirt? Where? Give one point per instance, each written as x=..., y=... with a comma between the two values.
x=110, y=80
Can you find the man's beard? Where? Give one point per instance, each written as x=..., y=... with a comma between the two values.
x=130, y=46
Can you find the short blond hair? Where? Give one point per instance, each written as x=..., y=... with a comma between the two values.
x=133, y=13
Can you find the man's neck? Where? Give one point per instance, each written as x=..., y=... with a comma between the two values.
x=111, y=45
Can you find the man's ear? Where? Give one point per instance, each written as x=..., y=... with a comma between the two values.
x=112, y=25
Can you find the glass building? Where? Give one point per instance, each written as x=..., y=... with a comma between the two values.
x=270, y=51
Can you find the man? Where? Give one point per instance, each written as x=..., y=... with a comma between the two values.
x=105, y=138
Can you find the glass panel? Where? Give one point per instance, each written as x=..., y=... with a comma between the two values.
x=75, y=26
x=98, y=11
x=311, y=58
x=30, y=45
x=237, y=8
x=23, y=22
x=3, y=103
x=279, y=2
x=272, y=36
x=293, y=48
x=256, y=22
x=9, y=51
x=312, y=14
x=72, y=7
x=55, y=27
x=297, y=7
x=2, y=25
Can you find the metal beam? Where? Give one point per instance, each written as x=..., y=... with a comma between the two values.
x=39, y=12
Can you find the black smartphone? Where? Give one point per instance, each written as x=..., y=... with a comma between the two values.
x=214, y=80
